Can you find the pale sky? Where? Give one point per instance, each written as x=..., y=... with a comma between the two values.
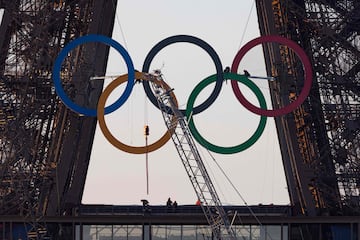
x=117, y=177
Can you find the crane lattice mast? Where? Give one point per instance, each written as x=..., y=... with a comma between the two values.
x=191, y=159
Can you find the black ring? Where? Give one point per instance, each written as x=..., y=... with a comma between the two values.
x=189, y=39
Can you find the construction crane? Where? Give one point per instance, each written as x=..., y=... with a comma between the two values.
x=191, y=159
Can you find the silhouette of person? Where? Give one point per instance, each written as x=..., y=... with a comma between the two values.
x=169, y=202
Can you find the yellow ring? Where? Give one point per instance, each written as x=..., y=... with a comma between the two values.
x=116, y=143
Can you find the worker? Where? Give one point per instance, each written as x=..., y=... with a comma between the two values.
x=146, y=207
x=226, y=70
x=198, y=202
x=169, y=202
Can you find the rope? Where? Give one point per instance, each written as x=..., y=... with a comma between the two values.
x=121, y=29
x=146, y=114
x=246, y=24
x=147, y=164
x=236, y=190
x=146, y=110
x=208, y=168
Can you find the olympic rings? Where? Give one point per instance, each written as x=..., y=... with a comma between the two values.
x=116, y=143
x=217, y=78
x=307, y=69
x=234, y=149
x=63, y=54
x=203, y=45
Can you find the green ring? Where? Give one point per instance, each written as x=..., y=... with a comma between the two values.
x=234, y=149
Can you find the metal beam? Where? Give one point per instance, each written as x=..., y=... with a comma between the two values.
x=309, y=143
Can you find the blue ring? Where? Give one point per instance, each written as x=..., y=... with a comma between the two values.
x=86, y=39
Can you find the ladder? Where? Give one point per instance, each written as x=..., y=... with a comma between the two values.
x=191, y=159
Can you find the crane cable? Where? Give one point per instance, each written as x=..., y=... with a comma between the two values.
x=237, y=191
x=210, y=170
x=146, y=127
x=232, y=184
x=146, y=133
x=119, y=23
x=246, y=24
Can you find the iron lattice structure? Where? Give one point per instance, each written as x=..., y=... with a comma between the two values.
x=44, y=146
x=320, y=141
x=191, y=159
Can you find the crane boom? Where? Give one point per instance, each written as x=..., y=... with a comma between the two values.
x=191, y=159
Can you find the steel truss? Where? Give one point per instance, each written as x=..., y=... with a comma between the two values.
x=320, y=140
x=44, y=146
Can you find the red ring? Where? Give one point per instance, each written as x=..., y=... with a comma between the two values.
x=307, y=71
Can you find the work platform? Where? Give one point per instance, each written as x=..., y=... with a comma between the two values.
x=140, y=222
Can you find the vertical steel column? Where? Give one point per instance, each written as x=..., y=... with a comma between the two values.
x=45, y=147
x=320, y=140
